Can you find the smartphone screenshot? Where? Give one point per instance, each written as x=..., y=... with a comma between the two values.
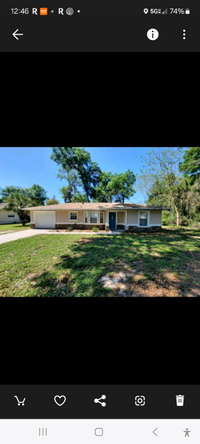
x=100, y=26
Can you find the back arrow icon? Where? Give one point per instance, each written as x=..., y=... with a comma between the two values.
x=15, y=34
x=154, y=431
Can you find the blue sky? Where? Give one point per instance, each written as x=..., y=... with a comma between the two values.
x=25, y=166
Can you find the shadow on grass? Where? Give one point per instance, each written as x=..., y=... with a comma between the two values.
x=156, y=254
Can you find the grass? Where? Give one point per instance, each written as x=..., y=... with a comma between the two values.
x=12, y=228
x=71, y=265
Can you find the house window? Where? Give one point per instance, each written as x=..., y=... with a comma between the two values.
x=11, y=215
x=93, y=218
x=143, y=219
x=86, y=218
x=101, y=218
x=73, y=215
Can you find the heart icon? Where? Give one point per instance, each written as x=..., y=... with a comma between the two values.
x=60, y=399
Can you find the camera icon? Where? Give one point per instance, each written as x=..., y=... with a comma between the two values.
x=139, y=400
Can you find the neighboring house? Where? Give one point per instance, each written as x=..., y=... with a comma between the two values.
x=8, y=217
x=108, y=216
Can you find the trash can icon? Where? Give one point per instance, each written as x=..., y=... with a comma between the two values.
x=180, y=400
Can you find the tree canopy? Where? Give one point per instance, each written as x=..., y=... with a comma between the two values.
x=52, y=201
x=167, y=182
x=86, y=181
x=78, y=159
x=18, y=200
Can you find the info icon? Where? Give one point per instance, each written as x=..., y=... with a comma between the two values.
x=139, y=400
x=152, y=34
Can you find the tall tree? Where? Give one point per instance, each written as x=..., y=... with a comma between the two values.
x=74, y=182
x=120, y=186
x=38, y=195
x=162, y=167
x=76, y=158
x=101, y=191
x=191, y=164
x=115, y=187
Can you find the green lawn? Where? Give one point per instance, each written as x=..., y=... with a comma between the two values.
x=12, y=228
x=154, y=264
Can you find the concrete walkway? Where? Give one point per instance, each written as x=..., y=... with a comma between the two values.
x=9, y=237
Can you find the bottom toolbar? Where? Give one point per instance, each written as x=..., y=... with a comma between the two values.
x=101, y=431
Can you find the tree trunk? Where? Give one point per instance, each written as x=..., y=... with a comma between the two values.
x=178, y=217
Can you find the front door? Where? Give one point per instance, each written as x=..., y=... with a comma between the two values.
x=112, y=221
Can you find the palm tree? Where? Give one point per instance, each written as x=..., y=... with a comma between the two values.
x=16, y=202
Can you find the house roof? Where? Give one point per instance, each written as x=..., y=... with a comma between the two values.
x=95, y=206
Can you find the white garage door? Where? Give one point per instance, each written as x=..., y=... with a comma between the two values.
x=44, y=219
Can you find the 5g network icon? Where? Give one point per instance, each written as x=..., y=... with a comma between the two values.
x=139, y=400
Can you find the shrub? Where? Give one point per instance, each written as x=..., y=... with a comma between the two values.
x=95, y=229
x=69, y=228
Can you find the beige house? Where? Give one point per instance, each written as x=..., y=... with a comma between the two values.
x=8, y=217
x=105, y=216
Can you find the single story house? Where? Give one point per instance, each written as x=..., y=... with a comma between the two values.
x=8, y=217
x=105, y=216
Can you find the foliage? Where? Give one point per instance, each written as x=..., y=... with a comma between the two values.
x=78, y=197
x=78, y=159
x=191, y=164
x=168, y=183
x=115, y=187
x=164, y=177
x=5, y=192
x=18, y=200
x=74, y=182
x=95, y=229
x=52, y=201
x=38, y=195
x=69, y=228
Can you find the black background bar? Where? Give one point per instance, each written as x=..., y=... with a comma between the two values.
x=160, y=402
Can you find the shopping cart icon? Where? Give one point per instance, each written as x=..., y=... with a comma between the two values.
x=20, y=402
x=180, y=400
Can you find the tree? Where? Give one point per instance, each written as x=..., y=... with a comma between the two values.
x=78, y=197
x=5, y=192
x=18, y=200
x=71, y=189
x=76, y=158
x=191, y=164
x=115, y=187
x=38, y=195
x=162, y=168
x=120, y=186
x=52, y=201
x=101, y=192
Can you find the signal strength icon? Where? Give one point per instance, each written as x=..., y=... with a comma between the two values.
x=165, y=11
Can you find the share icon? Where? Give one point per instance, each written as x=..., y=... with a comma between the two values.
x=98, y=400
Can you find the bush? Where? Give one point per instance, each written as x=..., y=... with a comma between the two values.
x=69, y=228
x=95, y=229
x=168, y=218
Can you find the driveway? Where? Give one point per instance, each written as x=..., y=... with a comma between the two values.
x=20, y=235
x=9, y=237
